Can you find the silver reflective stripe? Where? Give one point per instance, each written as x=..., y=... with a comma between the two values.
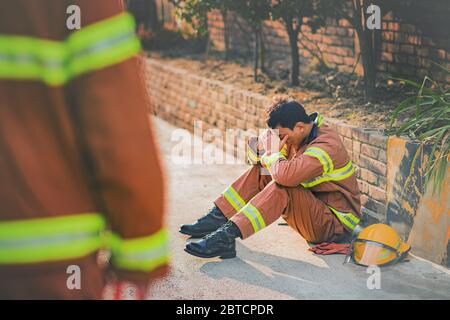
x=344, y=216
x=236, y=201
x=47, y=240
x=32, y=59
x=103, y=45
x=331, y=176
x=254, y=215
x=343, y=173
x=320, y=155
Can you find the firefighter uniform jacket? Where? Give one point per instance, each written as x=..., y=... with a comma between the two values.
x=77, y=152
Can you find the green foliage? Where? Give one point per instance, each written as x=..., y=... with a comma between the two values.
x=254, y=12
x=295, y=10
x=429, y=122
x=194, y=12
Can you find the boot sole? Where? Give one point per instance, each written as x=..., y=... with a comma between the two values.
x=195, y=235
x=227, y=255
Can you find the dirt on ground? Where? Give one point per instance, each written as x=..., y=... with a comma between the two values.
x=334, y=94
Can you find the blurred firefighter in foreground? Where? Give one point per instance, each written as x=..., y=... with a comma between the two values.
x=77, y=153
x=310, y=182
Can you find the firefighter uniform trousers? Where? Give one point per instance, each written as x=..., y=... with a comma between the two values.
x=262, y=201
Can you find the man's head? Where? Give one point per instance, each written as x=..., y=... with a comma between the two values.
x=290, y=118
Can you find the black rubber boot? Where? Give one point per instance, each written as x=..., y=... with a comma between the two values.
x=221, y=243
x=212, y=221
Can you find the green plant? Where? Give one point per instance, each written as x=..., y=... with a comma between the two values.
x=429, y=122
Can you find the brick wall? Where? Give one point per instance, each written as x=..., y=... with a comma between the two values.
x=411, y=37
x=181, y=97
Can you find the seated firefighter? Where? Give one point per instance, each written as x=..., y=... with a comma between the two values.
x=311, y=183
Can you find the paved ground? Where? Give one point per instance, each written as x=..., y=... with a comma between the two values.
x=275, y=263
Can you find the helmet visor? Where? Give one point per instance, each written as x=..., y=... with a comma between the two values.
x=371, y=253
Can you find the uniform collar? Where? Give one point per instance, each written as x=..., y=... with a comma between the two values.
x=317, y=120
x=312, y=134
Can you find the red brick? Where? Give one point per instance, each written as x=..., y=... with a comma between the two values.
x=372, y=165
x=363, y=187
x=387, y=56
x=390, y=47
x=369, y=151
x=344, y=23
x=413, y=39
x=368, y=176
x=346, y=52
x=241, y=123
x=409, y=49
x=373, y=205
x=382, y=182
x=360, y=135
x=344, y=130
x=388, y=36
x=394, y=26
x=378, y=140
x=355, y=158
x=382, y=156
x=348, y=144
x=345, y=68
x=356, y=146
x=377, y=193
x=441, y=54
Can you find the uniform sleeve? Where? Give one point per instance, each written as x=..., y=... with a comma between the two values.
x=110, y=107
x=312, y=163
x=254, y=155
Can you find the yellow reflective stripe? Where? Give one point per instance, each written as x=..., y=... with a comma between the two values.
x=94, y=47
x=319, y=120
x=284, y=150
x=233, y=198
x=30, y=58
x=348, y=219
x=336, y=175
x=255, y=217
x=252, y=156
x=102, y=44
x=322, y=156
x=267, y=160
x=140, y=254
x=50, y=239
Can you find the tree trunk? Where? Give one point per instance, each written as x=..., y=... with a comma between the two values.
x=256, y=55
x=206, y=38
x=155, y=24
x=366, y=48
x=262, y=52
x=226, y=35
x=208, y=46
x=295, y=58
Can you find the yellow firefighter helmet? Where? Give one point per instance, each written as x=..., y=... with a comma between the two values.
x=378, y=244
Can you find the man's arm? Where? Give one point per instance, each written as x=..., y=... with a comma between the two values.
x=314, y=162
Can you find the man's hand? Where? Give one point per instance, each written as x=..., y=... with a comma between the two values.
x=270, y=141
